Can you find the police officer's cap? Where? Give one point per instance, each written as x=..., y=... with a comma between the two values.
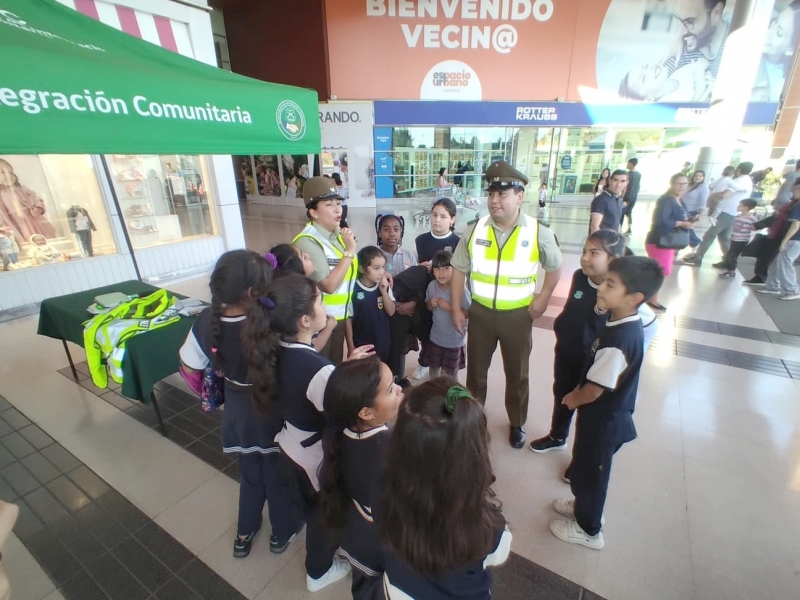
x=319, y=188
x=500, y=176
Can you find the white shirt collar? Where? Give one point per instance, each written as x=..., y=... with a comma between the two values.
x=630, y=319
x=297, y=345
x=441, y=237
x=365, y=288
x=355, y=435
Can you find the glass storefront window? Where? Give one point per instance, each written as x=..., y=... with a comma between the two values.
x=163, y=199
x=51, y=211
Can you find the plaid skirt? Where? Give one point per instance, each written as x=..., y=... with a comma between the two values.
x=449, y=359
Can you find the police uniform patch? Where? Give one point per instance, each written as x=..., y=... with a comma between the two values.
x=525, y=243
x=360, y=295
x=485, y=243
x=578, y=294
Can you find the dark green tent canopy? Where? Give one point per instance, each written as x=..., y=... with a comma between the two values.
x=72, y=85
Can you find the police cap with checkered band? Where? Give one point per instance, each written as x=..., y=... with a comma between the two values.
x=500, y=176
x=319, y=188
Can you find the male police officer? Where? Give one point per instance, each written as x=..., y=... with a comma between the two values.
x=501, y=253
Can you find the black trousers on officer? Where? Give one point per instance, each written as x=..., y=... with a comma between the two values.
x=567, y=373
x=590, y=471
x=260, y=481
x=320, y=544
x=334, y=347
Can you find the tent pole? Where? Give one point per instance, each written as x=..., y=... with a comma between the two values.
x=119, y=214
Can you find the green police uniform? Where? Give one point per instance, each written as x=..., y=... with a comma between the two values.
x=503, y=270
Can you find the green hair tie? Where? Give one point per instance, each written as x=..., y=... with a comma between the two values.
x=454, y=395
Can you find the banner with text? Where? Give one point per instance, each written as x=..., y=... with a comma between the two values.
x=578, y=50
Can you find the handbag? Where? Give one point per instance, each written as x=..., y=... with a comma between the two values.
x=212, y=389
x=675, y=239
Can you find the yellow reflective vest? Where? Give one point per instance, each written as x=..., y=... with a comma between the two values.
x=504, y=278
x=335, y=303
x=104, y=335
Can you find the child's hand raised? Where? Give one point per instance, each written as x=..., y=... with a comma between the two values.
x=362, y=352
x=383, y=284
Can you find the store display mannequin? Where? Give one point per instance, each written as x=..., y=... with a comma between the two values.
x=9, y=250
x=21, y=208
x=80, y=223
x=41, y=251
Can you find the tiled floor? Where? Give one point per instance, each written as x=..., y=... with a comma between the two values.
x=705, y=504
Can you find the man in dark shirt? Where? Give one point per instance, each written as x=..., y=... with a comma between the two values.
x=606, y=209
x=631, y=194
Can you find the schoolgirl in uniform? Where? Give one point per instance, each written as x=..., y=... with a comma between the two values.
x=438, y=520
x=360, y=399
x=390, y=229
x=577, y=327
x=290, y=376
x=441, y=237
x=238, y=279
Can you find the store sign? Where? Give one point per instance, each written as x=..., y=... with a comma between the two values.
x=592, y=51
x=451, y=80
x=548, y=114
x=347, y=149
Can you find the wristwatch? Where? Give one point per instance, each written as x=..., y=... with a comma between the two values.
x=348, y=254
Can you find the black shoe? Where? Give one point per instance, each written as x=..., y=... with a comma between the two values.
x=728, y=275
x=720, y=265
x=755, y=280
x=547, y=443
x=278, y=547
x=517, y=437
x=692, y=261
x=241, y=546
x=404, y=383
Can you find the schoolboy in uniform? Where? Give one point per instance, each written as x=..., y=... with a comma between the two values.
x=606, y=398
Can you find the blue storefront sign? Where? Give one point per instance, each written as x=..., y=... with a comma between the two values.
x=566, y=162
x=555, y=114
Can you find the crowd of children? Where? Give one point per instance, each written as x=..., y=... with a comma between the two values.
x=389, y=504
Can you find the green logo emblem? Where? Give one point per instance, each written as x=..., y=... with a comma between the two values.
x=291, y=120
x=578, y=295
x=360, y=295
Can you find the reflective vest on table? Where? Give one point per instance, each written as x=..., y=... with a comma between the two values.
x=504, y=279
x=335, y=303
x=105, y=335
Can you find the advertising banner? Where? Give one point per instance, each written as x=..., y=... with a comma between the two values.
x=347, y=149
x=588, y=51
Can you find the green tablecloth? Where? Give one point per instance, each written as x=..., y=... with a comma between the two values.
x=149, y=356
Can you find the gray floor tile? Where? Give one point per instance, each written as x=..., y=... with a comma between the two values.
x=188, y=426
x=144, y=415
x=115, y=580
x=207, y=583
x=19, y=478
x=78, y=540
x=81, y=587
x=7, y=493
x=115, y=399
x=38, y=438
x=4, y=404
x=40, y=467
x=123, y=512
x=215, y=458
x=750, y=333
x=89, y=482
x=17, y=445
x=54, y=558
x=28, y=524
x=5, y=428
x=46, y=507
x=68, y=494
x=175, y=589
x=144, y=566
x=61, y=458
x=14, y=418
x=101, y=525
x=521, y=579
x=165, y=547
x=6, y=458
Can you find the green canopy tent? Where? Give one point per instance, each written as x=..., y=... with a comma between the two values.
x=72, y=85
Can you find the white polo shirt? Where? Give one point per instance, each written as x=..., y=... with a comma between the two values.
x=742, y=188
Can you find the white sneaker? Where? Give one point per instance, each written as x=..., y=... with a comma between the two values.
x=421, y=372
x=790, y=297
x=339, y=570
x=769, y=291
x=566, y=508
x=569, y=531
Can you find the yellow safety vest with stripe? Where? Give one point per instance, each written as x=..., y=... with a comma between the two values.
x=104, y=335
x=504, y=278
x=335, y=303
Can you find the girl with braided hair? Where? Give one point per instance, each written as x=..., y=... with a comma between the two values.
x=438, y=519
x=239, y=278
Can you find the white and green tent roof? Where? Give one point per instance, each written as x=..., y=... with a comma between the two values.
x=72, y=85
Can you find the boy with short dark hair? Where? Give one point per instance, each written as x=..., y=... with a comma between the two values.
x=606, y=398
x=743, y=227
